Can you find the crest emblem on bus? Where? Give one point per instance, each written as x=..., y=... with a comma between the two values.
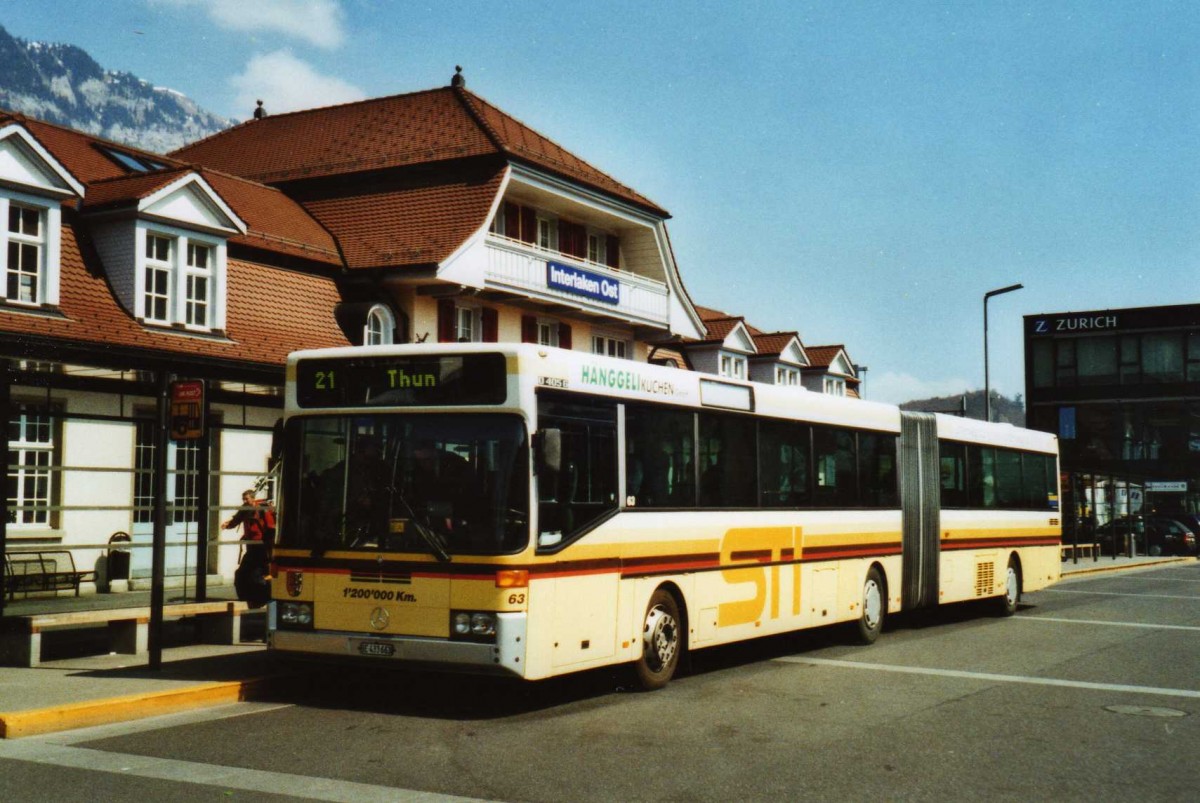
x=295, y=582
x=380, y=618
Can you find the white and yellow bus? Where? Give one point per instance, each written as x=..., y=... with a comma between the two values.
x=533, y=511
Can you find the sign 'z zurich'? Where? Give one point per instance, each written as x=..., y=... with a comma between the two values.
x=580, y=282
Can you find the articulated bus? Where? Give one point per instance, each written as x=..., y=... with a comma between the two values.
x=533, y=511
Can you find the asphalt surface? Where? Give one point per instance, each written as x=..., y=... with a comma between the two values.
x=1088, y=693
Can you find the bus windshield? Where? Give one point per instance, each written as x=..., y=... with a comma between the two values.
x=440, y=484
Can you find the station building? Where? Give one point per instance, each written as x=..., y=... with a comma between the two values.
x=425, y=217
x=1121, y=389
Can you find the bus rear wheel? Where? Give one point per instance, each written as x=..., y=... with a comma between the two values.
x=1007, y=605
x=662, y=642
x=874, y=607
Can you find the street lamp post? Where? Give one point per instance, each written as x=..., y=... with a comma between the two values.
x=861, y=370
x=987, y=388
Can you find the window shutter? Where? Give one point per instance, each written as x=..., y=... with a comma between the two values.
x=581, y=241
x=612, y=247
x=528, y=225
x=566, y=237
x=445, y=320
x=564, y=335
x=491, y=324
x=578, y=240
x=512, y=220
x=528, y=329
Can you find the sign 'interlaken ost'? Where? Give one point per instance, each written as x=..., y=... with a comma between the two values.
x=580, y=282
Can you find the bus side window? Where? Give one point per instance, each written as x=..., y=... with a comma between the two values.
x=784, y=463
x=877, y=469
x=981, y=476
x=835, y=454
x=1009, y=493
x=727, y=464
x=1033, y=473
x=953, y=460
x=664, y=443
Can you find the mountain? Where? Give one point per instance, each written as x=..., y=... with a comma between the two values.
x=1004, y=409
x=63, y=84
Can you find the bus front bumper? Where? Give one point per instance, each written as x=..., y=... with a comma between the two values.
x=505, y=655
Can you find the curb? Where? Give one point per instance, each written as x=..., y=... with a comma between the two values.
x=1100, y=568
x=17, y=724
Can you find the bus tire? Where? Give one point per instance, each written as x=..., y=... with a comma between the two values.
x=874, y=607
x=662, y=642
x=1007, y=604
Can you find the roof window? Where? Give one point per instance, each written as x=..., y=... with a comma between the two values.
x=138, y=164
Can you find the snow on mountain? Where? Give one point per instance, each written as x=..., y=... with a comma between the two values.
x=63, y=84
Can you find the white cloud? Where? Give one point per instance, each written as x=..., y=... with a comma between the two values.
x=318, y=22
x=285, y=83
x=897, y=388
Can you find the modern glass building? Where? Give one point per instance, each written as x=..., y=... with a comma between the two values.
x=1121, y=389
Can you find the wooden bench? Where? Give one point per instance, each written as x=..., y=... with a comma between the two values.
x=45, y=570
x=1083, y=550
x=128, y=628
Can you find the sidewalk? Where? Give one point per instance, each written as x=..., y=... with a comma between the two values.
x=79, y=692
x=1107, y=564
x=64, y=693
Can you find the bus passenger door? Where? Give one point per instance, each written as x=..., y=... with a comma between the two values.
x=920, y=503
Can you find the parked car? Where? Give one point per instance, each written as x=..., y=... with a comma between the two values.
x=1190, y=521
x=1153, y=535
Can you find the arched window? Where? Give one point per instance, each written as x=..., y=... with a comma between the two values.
x=380, y=327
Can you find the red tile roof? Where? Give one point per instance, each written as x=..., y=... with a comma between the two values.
x=397, y=131
x=128, y=189
x=81, y=154
x=774, y=343
x=418, y=224
x=823, y=356
x=276, y=222
x=270, y=313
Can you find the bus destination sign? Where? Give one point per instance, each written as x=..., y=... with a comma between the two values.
x=444, y=380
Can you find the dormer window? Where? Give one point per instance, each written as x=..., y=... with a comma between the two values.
x=158, y=279
x=789, y=377
x=33, y=186
x=25, y=254
x=834, y=386
x=733, y=366
x=197, y=271
x=179, y=276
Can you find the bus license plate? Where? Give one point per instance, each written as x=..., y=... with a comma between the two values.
x=380, y=649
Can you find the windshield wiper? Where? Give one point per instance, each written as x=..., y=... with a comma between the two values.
x=436, y=545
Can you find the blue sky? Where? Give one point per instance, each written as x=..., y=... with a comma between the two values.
x=861, y=172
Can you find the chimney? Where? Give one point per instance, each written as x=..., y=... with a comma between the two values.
x=457, y=79
x=260, y=112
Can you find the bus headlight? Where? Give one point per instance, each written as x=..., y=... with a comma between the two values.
x=473, y=625
x=295, y=614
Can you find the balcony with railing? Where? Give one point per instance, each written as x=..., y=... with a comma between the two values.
x=521, y=267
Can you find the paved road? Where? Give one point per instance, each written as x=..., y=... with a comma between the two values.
x=1090, y=692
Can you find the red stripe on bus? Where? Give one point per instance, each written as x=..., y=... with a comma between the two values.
x=983, y=543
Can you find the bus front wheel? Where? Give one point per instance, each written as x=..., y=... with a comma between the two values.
x=874, y=607
x=662, y=642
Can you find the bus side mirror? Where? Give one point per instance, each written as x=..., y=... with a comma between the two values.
x=549, y=447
